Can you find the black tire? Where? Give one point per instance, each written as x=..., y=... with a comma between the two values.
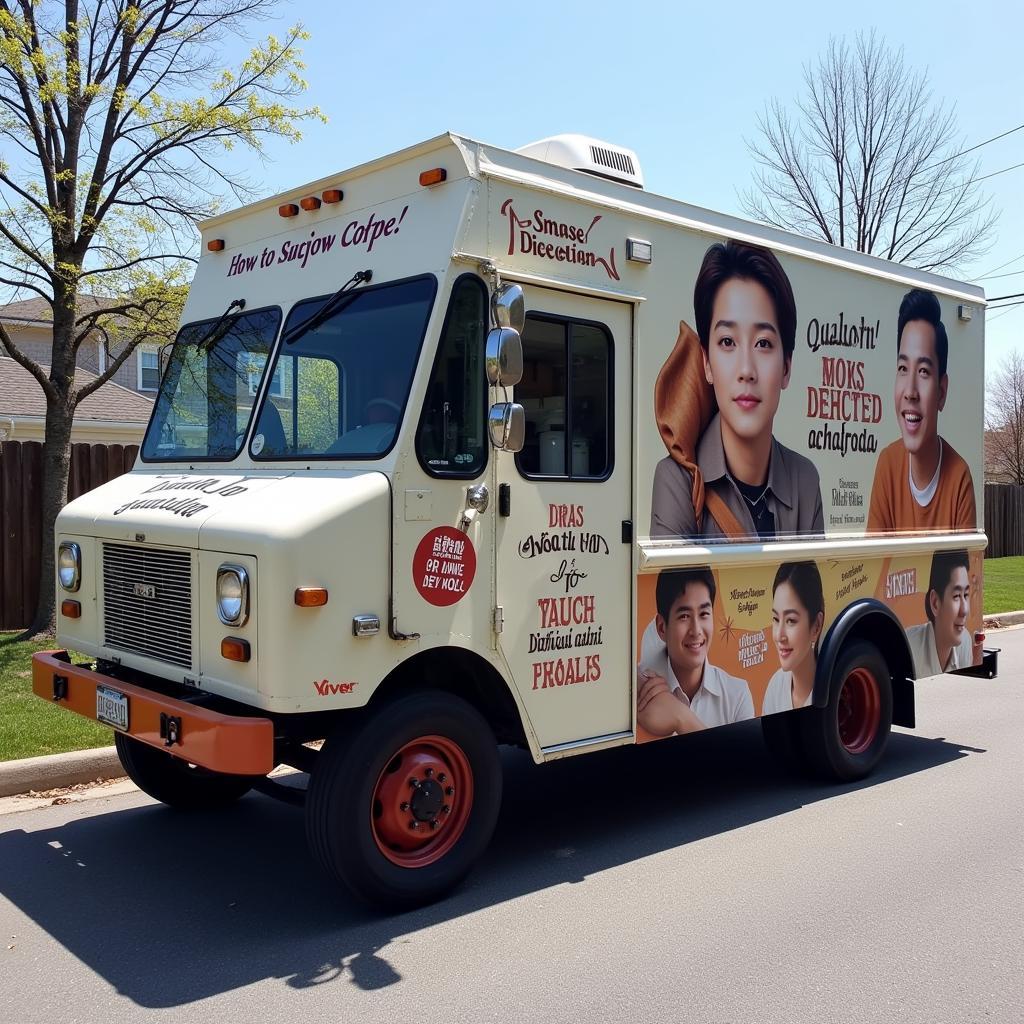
x=781, y=734
x=175, y=782
x=358, y=772
x=846, y=739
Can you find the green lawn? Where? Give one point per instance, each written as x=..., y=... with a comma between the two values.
x=1004, y=584
x=28, y=725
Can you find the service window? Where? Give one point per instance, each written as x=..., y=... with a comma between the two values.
x=566, y=392
x=451, y=440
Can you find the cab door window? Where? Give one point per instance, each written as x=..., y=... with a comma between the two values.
x=451, y=438
x=566, y=391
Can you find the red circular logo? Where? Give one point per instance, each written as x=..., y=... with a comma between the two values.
x=444, y=566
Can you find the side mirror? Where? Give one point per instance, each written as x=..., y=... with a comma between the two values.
x=504, y=357
x=506, y=423
x=508, y=307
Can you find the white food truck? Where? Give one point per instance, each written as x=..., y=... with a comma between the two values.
x=446, y=456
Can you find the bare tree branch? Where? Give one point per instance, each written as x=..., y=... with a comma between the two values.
x=870, y=161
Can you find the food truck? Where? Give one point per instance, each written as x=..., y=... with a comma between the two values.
x=467, y=447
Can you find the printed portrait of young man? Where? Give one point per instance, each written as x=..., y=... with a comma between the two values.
x=756, y=487
x=921, y=483
x=678, y=689
x=944, y=643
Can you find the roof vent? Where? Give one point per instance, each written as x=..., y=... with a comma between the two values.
x=581, y=153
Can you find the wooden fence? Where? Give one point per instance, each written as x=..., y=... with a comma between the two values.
x=1004, y=520
x=21, y=502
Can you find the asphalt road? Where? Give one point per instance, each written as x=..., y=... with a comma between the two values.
x=684, y=881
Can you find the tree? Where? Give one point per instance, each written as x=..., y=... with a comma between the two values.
x=116, y=116
x=1004, y=418
x=870, y=161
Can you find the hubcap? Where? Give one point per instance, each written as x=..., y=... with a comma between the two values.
x=860, y=711
x=422, y=801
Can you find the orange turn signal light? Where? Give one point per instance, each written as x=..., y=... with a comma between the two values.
x=332, y=195
x=309, y=203
x=215, y=244
x=434, y=176
x=71, y=609
x=310, y=597
x=234, y=648
x=288, y=210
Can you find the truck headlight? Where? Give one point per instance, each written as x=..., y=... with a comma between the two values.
x=69, y=565
x=232, y=595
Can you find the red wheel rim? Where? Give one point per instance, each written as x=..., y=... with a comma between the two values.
x=422, y=801
x=860, y=711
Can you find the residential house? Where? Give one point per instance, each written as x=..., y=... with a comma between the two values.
x=117, y=413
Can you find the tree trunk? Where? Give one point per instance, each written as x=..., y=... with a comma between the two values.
x=56, y=465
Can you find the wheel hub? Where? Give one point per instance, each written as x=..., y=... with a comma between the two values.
x=859, y=711
x=422, y=801
x=427, y=801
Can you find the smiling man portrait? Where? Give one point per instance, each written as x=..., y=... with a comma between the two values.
x=921, y=483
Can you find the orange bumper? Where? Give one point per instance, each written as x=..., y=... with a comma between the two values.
x=223, y=743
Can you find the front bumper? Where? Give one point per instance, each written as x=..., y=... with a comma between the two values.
x=234, y=744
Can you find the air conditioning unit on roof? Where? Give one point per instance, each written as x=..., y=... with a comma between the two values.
x=582, y=153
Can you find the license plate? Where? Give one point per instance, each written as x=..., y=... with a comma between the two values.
x=112, y=707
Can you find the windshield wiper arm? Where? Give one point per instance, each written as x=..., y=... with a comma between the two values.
x=220, y=328
x=331, y=305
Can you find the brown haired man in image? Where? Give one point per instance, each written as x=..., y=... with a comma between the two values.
x=921, y=483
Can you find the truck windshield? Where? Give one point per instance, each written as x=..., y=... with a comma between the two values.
x=208, y=392
x=340, y=389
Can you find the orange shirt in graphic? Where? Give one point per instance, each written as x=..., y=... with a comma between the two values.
x=893, y=507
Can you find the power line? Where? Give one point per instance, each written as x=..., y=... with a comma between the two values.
x=902, y=181
x=995, y=277
x=1016, y=259
x=1016, y=295
x=964, y=152
x=994, y=173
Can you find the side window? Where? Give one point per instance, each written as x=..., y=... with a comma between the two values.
x=451, y=439
x=566, y=392
x=149, y=369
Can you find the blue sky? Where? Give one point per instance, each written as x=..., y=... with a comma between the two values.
x=681, y=84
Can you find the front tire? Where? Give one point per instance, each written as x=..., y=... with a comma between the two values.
x=175, y=782
x=400, y=809
x=846, y=739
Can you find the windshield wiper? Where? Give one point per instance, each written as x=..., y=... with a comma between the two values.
x=220, y=328
x=332, y=305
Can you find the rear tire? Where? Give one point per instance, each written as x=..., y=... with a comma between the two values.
x=846, y=739
x=175, y=782
x=400, y=809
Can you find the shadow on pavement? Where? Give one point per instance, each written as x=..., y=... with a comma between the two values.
x=171, y=908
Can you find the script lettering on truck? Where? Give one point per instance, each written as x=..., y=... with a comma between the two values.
x=554, y=239
x=361, y=233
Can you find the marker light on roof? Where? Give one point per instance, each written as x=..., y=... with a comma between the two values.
x=332, y=195
x=309, y=203
x=434, y=176
x=288, y=210
x=215, y=244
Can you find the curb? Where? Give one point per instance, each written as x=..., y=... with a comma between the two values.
x=57, y=771
x=1004, y=619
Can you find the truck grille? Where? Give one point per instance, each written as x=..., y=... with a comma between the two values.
x=147, y=602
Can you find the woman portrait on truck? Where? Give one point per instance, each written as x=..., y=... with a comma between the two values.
x=798, y=615
x=753, y=486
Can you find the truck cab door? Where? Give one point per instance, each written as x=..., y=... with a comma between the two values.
x=563, y=561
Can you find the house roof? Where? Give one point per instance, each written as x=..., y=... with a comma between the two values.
x=38, y=311
x=21, y=395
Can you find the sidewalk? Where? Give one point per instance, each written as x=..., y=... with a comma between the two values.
x=58, y=771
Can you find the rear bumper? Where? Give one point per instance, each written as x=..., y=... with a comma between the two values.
x=234, y=744
x=989, y=667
